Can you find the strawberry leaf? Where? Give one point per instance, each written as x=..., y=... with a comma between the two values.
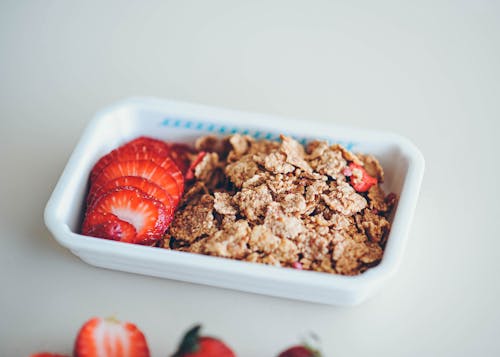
x=190, y=342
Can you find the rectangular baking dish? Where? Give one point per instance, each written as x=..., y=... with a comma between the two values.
x=183, y=122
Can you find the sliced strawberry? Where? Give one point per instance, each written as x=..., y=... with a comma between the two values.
x=169, y=165
x=149, y=216
x=108, y=226
x=168, y=210
x=137, y=152
x=109, y=337
x=142, y=168
x=143, y=146
x=177, y=152
x=140, y=183
x=149, y=144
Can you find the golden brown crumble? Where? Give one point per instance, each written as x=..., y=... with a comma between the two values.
x=281, y=204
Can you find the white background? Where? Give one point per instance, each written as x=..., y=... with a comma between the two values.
x=428, y=70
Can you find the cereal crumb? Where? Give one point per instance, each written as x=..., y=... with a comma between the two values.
x=229, y=242
x=240, y=171
x=194, y=220
x=343, y=198
x=294, y=153
x=281, y=224
x=372, y=166
x=223, y=204
x=253, y=202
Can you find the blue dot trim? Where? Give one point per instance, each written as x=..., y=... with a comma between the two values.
x=222, y=129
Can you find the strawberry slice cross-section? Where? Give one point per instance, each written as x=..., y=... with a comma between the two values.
x=109, y=337
x=136, y=152
x=108, y=226
x=146, y=186
x=146, y=143
x=141, y=168
x=148, y=216
x=142, y=148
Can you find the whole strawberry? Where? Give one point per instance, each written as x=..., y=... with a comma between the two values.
x=109, y=337
x=194, y=345
x=300, y=351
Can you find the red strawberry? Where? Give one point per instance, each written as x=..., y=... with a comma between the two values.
x=128, y=153
x=167, y=155
x=108, y=226
x=142, y=168
x=300, y=351
x=147, y=215
x=141, y=183
x=110, y=338
x=193, y=345
x=361, y=181
x=47, y=354
x=142, y=148
x=147, y=143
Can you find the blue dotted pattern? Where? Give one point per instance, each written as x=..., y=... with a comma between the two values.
x=223, y=129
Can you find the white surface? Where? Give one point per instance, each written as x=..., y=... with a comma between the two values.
x=176, y=121
x=427, y=70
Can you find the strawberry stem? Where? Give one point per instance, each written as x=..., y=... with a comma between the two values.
x=112, y=319
x=314, y=352
x=312, y=342
x=190, y=342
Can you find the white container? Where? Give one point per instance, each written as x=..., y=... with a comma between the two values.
x=182, y=122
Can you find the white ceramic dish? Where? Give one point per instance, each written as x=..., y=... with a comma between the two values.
x=182, y=122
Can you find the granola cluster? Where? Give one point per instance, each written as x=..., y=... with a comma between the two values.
x=283, y=204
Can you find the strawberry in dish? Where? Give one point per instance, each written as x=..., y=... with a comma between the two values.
x=148, y=216
x=135, y=189
x=140, y=168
